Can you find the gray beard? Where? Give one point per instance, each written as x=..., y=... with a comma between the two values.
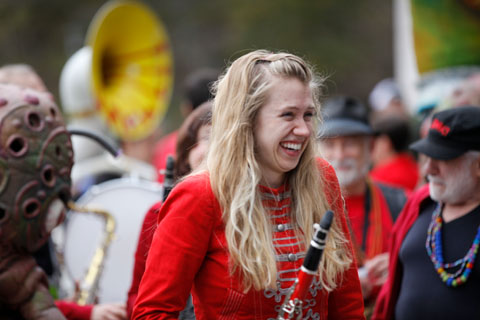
x=454, y=191
x=352, y=175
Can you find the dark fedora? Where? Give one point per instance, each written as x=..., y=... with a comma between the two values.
x=344, y=116
x=452, y=133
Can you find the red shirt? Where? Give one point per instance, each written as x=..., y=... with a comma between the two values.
x=189, y=253
x=402, y=172
x=355, y=206
x=165, y=147
x=355, y=209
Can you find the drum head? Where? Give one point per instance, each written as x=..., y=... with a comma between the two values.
x=127, y=200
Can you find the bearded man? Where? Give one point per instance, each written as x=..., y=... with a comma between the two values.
x=346, y=141
x=434, y=269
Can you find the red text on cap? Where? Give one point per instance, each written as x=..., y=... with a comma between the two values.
x=440, y=127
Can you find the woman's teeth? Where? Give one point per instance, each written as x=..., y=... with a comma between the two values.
x=292, y=146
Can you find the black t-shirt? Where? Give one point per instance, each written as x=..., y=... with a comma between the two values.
x=423, y=294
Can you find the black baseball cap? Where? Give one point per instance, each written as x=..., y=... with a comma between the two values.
x=452, y=133
x=344, y=116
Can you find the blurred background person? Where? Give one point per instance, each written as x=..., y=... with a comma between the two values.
x=393, y=164
x=192, y=146
x=393, y=127
x=467, y=93
x=196, y=90
x=385, y=98
x=193, y=139
x=346, y=141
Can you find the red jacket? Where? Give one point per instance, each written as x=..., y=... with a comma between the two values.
x=144, y=241
x=385, y=307
x=193, y=225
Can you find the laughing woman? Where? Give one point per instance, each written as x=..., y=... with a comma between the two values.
x=235, y=234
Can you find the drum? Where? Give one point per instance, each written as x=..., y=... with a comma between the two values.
x=127, y=200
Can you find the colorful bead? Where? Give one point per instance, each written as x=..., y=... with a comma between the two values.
x=434, y=250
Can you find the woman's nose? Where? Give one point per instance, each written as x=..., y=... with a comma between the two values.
x=302, y=128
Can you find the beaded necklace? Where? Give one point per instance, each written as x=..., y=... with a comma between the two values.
x=434, y=250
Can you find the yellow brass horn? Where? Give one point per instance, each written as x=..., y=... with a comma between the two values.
x=132, y=68
x=127, y=59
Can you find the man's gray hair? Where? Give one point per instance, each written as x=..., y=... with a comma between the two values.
x=472, y=154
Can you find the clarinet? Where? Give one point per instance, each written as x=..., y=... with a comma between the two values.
x=292, y=306
x=168, y=182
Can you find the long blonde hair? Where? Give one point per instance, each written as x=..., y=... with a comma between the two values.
x=235, y=174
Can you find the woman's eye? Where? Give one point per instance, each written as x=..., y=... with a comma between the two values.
x=309, y=115
x=287, y=114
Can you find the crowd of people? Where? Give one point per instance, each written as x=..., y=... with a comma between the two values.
x=259, y=159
